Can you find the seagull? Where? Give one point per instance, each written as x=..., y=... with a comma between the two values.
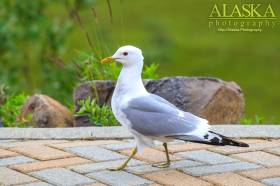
x=150, y=117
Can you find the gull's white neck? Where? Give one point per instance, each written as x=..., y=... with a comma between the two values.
x=130, y=81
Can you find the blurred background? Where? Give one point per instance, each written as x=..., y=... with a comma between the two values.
x=42, y=43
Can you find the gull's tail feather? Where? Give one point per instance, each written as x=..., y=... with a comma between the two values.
x=211, y=138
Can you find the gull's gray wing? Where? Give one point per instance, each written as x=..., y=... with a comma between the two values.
x=158, y=98
x=154, y=116
x=151, y=116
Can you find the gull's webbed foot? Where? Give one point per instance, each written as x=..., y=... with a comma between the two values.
x=134, y=151
x=117, y=168
x=167, y=163
x=161, y=165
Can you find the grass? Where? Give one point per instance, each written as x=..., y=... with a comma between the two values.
x=11, y=109
x=256, y=120
x=98, y=115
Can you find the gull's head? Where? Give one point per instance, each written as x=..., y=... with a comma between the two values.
x=127, y=56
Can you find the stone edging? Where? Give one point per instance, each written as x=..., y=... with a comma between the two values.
x=236, y=131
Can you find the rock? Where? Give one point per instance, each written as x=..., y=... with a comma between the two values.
x=46, y=112
x=83, y=121
x=218, y=101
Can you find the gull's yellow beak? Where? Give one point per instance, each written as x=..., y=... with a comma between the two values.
x=107, y=59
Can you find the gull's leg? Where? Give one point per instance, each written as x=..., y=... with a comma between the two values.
x=121, y=167
x=167, y=163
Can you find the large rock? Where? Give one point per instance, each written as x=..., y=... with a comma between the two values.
x=218, y=101
x=46, y=112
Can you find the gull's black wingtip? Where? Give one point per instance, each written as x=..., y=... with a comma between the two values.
x=227, y=141
x=212, y=138
x=243, y=144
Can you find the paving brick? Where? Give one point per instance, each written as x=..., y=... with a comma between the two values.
x=275, y=151
x=11, y=177
x=174, y=142
x=219, y=168
x=96, y=153
x=172, y=177
x=159, y=145
x=272, y=181
x=96, y=184
x=258, y=174
x=92, y=167
x=252, y=141
x=207, y=157
x=259, y=157
x=142, y=169
x=129, y=140
x=41, y=152
x=61, y=176
x=253, y=147
x=6, y=141
x=15, y=160
x=179, y=142
x=120, y=178
x=6, y=153
x=185, y=163
x=173, y=148
x=28, y=143
x=83, y=143
x=121, y=146
x=151, y=155
x=37, y=184
x=31, y=167
x=230, y=179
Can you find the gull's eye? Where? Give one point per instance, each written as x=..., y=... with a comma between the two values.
x=125, y=53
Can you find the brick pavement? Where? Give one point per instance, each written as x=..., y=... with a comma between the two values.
x=85, y=162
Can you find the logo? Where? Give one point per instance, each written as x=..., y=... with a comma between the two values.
x=242, y=17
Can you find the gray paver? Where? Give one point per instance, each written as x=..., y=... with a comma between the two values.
x=119, y=178
x=174, y=165
x=96, y=153
x=207, y=157
x=251, y=131
x=121, y=146
x=273, y=150
x=142, y=169
x=6, y=141
x=220, y=168
x=37, y=184
x=11, y=177
x=92, y=167
x=253, y=147
x=61, y=176
x=269, y=131
x=174, y=142
x=260, y=157
x=15, y=160
x=272, y=181
x=65, y=133
x=184, y=163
